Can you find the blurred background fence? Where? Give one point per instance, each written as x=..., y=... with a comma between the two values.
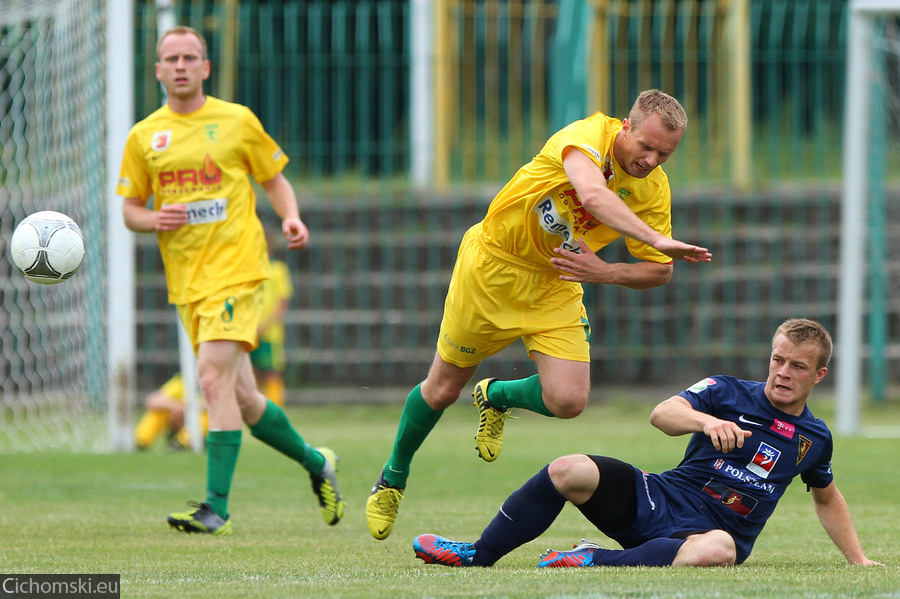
x=756, y=179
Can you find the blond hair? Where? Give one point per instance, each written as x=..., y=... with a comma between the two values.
x=668, y=108
x=803, y=330
x=181, y=30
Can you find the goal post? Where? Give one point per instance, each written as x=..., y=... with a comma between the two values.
x=862, y=82
x=120, y=316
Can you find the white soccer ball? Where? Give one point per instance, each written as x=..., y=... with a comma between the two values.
x=47, y=247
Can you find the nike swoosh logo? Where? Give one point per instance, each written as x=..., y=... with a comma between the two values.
x=745, y=421
x=490, y=453
x=381, y=531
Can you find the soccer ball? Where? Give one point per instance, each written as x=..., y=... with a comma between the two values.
x=47, y=247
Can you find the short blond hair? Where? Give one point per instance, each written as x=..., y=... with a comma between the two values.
x=181, y=30
x=803, y=330
x=668, y=108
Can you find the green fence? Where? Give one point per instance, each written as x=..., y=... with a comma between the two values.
x=331, y=81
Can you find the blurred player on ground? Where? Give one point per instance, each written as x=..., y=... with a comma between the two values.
x=519, y=275
x=194, y=156
x=165, y=414
x=749, y=440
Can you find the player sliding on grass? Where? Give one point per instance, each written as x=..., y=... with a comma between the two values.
x=750, y=440
x=194, y=156
x=519, y=272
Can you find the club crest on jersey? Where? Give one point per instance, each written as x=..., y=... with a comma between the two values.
x=212, y=133
x=161, y=140
x=764, y=460
x=803, y=448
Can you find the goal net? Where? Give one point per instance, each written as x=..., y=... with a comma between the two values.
x=868, y=336
x=53, y=370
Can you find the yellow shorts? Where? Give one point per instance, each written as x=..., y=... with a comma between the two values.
x=495, y=298
x=229, y=314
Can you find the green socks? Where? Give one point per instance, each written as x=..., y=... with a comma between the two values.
x=274, y=429
x=520, y=393
x=222, y=448
x=418, y=418
x=416, y=421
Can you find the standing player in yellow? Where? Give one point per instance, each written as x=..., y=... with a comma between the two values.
x=194, y=156
x=268, y=359
x=519, y=272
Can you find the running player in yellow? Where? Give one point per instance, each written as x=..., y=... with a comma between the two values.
x=519, y=275
x=194, y=156
x=165, y=413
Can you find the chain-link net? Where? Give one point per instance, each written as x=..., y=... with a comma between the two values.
x=52, y=363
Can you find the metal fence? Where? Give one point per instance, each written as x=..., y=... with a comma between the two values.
x=756, y=177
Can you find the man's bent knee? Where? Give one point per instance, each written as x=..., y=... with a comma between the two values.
x=713, y=548
x=575, y=477
x=565, y=406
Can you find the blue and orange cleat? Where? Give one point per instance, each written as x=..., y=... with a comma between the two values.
x=581, y=556
x=433, y=549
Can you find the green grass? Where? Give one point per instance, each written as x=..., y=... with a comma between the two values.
x=62, y=513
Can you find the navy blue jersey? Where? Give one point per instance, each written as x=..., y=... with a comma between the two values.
x=736, y=491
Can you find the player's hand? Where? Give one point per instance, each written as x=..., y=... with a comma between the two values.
x=295, y=232
x=683, y=251
x=868, y=562
x=586, y=267
x=171, y=217
x=725, y=436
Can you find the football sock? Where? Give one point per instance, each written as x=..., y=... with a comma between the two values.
x=523, y=517
x=416, y=421
x=222, y=449
x=520, y=393
x=274, y=429
x=655, y=552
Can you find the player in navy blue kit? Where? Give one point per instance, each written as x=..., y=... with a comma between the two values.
x=749, y=441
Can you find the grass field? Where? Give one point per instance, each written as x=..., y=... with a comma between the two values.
x=62, y=513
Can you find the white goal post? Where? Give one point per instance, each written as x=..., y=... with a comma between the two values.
x=850, y=347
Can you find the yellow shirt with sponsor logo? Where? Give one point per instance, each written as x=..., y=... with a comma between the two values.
x=204, y=159
x=538, y=210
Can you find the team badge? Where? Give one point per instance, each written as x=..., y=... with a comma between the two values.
x=212, y=133
x=161, y=140
x=803, y=448
x=764, y=460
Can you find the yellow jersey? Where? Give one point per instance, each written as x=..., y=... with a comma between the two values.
x=203, y=159
x=538, y=209
x=174, y=388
